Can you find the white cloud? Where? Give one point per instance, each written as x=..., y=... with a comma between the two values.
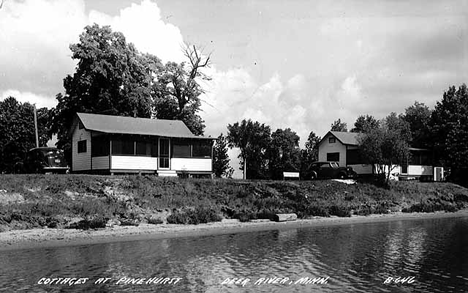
x=142, y=25
x=32, y=98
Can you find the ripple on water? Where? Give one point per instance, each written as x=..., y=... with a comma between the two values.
x=356, y=257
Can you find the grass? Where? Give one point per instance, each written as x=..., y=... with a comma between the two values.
x=87, y=202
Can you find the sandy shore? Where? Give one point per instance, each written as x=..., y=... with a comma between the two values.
x=34, y=238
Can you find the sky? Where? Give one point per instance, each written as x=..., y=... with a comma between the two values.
x=295, y=64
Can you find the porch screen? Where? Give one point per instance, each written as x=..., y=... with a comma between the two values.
x=143, y=148
x=202, y=149
x=123, y=147
x=181, y=149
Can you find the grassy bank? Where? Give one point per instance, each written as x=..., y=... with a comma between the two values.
x=83, y=201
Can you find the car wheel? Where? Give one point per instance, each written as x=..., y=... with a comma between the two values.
x=313, y=176
x=342, y=176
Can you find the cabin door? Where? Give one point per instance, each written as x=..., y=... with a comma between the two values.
x=164, y=153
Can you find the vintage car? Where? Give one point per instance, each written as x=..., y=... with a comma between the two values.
x=329, y=170
x=43, y=160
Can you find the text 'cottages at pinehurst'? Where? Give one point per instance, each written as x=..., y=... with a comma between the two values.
x=115, y=144
x=343, y=147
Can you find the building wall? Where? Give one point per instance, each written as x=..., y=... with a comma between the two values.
x=134, y=163
x=188, y=164
x=81, y=161
x=419, y=170
x=100, y=163
x=337, y=147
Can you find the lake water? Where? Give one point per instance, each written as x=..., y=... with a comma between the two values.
x=428, y=255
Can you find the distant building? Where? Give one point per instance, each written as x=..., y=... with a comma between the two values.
x=343, y=147
x=115, y=144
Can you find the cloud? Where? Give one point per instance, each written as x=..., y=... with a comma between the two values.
x=36, y=34
x=142, y=25
x=41, y=101
x=34, y=54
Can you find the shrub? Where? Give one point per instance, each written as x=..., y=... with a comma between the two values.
x=196, y=216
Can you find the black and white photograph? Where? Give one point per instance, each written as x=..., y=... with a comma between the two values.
x=234, y=146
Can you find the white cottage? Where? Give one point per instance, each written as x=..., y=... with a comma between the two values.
x=343, y=147
x=116, y=144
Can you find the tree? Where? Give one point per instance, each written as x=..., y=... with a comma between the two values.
x=418, y=116
x=310, y=153
x=18, y=132
x=365, y=123
x=449, y=124
x=283, y=153
x=386, y=146
x=177, y=92
x=339, y=126
x=221, y=158
x=111, y=77
x=253, y=139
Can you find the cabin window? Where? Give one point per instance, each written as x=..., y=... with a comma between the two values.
x=154, y=148
x=123, y=147
x=331, y=140
x=99, y=146
x=333, y=157
x=143, y=148
x=202, y=149
x=82, y=146
x=181, y=149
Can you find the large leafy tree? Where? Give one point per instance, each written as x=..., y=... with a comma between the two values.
x=177, y=90
x=18, y=132
x=418, y=116
x=310, y=153
x=386, y=146
x=253, y=139
x=365, y=123
x=221, y=159
x=449, y=123
x=283, y=153
x=337, y=125
x=111, y=77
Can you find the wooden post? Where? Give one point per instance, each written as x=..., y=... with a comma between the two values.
x=35, y=126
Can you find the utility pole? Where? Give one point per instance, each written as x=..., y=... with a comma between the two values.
x=35, y=126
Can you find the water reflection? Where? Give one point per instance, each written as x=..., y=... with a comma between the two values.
x=357, y=257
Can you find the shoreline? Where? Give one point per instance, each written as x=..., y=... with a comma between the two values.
x=43, y=238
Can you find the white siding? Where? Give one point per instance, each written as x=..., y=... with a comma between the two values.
x=134, y=163
x=100, y=163
x=337, y=147
x=81, y=161
x=419, y=170
x=187, y=164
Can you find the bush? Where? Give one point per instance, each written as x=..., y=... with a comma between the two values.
x=196, y=216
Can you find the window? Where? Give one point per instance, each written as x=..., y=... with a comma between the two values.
x=82, y=146
x=143, y=148
x=181, y=149
x=202, y=149
x=80, y=125
x=333, y=157
x=123, y=146
x=331, y=140
x=99, y=146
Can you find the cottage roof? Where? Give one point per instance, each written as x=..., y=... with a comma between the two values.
x=139, y=126
x=346, y=138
